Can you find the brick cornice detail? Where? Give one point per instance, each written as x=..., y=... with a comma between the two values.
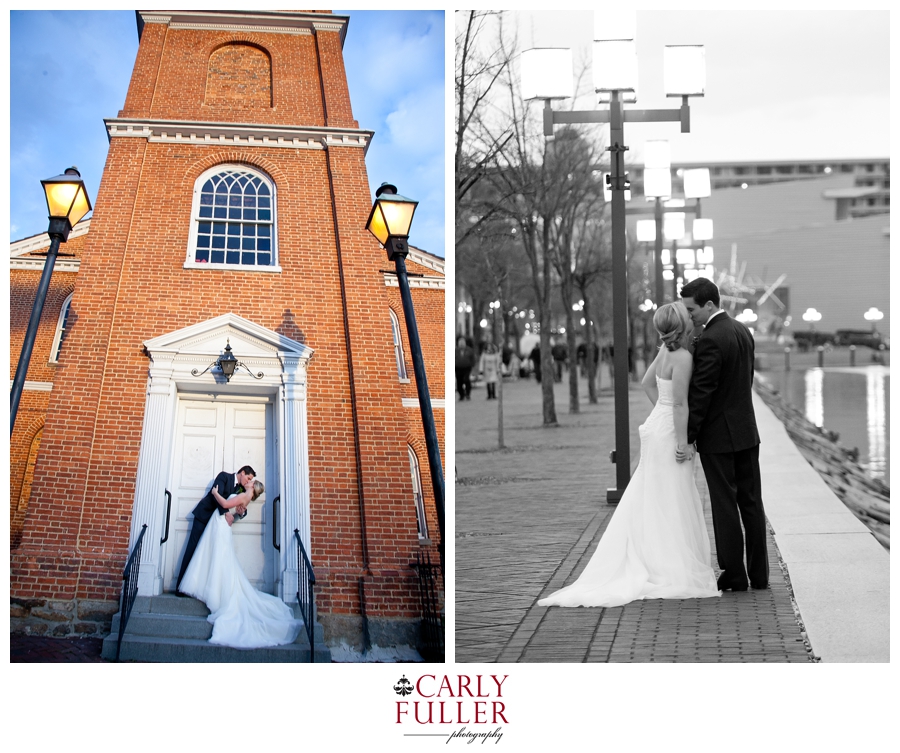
x=271, y=22
x=237, y=134
x=435, y=283
x=19, y=250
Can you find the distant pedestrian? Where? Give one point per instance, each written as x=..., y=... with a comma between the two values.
x=560, y=354
x=464, y=363
x=535, y=358
x=490, y=368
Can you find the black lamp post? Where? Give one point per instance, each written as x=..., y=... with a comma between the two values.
x=547, y=75
x=67, y=203
x=389, y=222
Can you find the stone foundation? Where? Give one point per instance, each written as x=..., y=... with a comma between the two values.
x=387, y=633
x=61, y=619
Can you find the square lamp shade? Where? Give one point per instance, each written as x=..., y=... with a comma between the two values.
x=673, y=226
x=607, y=191
x=657, y=154
x=705, y=255
x=547, y=73
x=646, y=230
x=684, y=70
x=684, y=256
x=391, y=215
x=696, y=183
x=66, y=196
x=612, y=24
x=703, y=229
x=615, y=66
x=657, y=182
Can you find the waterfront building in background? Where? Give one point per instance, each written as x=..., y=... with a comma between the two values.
x=815, y=235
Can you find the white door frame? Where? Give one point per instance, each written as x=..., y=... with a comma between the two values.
x=278, y=367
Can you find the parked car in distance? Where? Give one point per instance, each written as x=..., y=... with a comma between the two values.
x=860, y=337
x=807, y=340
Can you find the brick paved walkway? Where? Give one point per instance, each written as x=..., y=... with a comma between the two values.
x=38, y=649
x=528, y=518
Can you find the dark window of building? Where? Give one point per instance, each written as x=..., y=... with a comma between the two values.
x=234, y=218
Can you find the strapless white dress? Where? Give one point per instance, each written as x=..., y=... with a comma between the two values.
x=656, y=545
x=242, y=617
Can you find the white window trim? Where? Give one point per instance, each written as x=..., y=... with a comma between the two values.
x=418, y=496
x=190, y=262
x=399, y=355
x=54, y=348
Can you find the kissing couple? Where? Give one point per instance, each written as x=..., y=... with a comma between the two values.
x=656, y=545
x=242, y=617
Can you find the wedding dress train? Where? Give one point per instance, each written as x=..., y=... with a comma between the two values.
x=242, y=617
x=656, y=545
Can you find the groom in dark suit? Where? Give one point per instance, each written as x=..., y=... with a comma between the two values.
x=227, y=484
x=722, y=423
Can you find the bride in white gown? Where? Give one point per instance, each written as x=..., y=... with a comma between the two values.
x=242, y=617
x=656, y=545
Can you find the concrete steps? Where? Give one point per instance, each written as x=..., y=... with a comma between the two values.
x=169, y=628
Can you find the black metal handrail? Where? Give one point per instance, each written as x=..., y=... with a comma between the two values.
x=431, y=644
x=129, y=586
x=165, y=538
x=275, y=523
x=306, y=595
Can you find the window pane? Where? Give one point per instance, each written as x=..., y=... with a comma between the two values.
x=243, y=198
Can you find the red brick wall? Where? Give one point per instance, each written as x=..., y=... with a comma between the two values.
x=132, y=286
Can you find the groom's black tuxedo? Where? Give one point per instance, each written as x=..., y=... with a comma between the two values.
x=226, y=483
x=722, y=423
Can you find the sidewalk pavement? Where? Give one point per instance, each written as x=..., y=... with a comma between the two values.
x=528, y=518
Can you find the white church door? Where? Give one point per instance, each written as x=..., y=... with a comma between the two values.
x=213, y=436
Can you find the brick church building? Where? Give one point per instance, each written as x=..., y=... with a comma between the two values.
x=231, y=212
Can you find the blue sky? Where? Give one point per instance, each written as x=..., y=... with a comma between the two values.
x=70, y=69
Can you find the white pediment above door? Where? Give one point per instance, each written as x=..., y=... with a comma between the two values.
x=192, y=349
x=208, y=339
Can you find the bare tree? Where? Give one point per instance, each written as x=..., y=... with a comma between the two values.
x=480, y=67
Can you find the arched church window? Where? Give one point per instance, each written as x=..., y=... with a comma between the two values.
x=398, y=346
x=233, y=219
x=58, y=338
x=417, y=494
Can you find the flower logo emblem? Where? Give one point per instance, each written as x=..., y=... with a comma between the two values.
x=403, y=687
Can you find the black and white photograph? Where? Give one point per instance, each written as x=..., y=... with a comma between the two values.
x=673, y=336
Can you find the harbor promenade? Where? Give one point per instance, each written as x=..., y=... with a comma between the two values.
x=528, y=518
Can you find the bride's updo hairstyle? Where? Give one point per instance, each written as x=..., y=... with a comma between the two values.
x=258, y=489
x=673, y=324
